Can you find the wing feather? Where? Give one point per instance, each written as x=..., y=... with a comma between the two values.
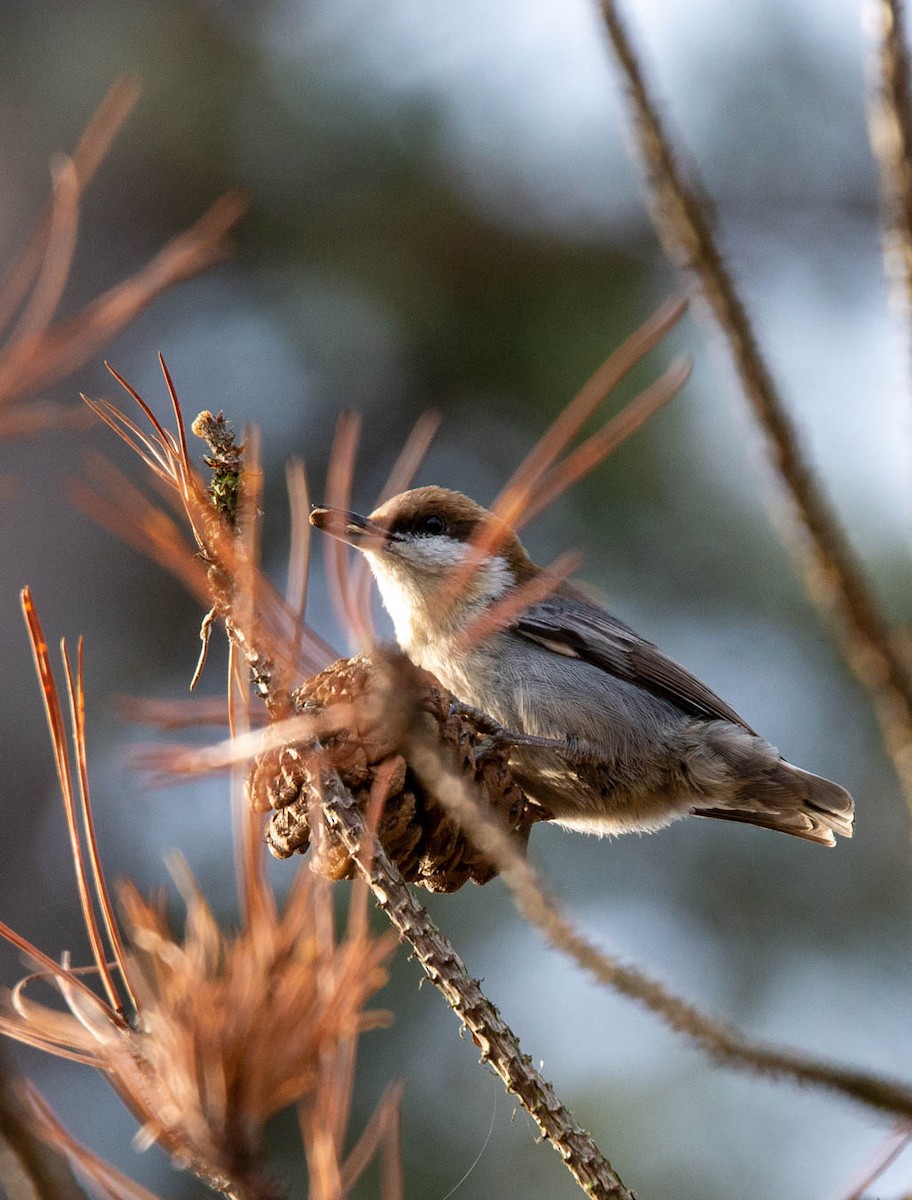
x=584, y=630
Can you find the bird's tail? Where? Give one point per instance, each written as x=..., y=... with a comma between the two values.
x=774, y=794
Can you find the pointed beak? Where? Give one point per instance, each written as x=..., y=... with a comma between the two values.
x=349, y=527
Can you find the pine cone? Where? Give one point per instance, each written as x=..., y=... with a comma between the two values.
x=386, y=700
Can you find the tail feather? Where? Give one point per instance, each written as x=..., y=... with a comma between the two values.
x=792, y=801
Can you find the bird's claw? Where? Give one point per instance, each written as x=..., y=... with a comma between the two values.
x=497, y=736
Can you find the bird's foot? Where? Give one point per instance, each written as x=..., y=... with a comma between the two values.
x=497, y=736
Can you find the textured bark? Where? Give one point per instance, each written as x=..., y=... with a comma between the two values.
x=495, y=1040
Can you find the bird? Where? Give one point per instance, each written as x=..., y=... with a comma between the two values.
x=611, y=734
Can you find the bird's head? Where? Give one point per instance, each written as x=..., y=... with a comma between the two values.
x=415, y=544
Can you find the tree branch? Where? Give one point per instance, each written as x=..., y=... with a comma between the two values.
x=498, y=1044
x=721, y=1042
x=829, y=567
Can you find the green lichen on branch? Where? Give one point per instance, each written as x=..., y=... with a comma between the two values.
x=224, y=460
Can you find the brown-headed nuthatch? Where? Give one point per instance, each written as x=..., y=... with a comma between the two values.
x=629, y=740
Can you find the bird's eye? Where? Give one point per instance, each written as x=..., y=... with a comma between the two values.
x=432, y=525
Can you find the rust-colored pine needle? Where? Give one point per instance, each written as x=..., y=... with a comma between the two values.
x=551, y=467
x=36, y=352
x=227, y=573
x=404, y=470
x=101, y=1176
x=196, y=1050
x=91, y=150
x=523, y=484
x=338, y=558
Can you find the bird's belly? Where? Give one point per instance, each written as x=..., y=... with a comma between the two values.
x=619, y=772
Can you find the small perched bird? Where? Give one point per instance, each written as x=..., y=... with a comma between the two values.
x=619, y=736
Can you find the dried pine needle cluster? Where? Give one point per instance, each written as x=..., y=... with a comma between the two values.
x=192, y=1031
x=217, y=1008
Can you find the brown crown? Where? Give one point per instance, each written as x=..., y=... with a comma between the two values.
x=464, y=520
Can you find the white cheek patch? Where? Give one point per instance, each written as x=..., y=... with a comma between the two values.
x=410, y=576
x=489, y=580
x=436, y=555
x=492, y=579
x=432, y=553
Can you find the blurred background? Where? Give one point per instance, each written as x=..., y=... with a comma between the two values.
x=444, y=214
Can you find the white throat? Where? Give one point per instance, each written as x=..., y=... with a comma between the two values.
x=411, y=579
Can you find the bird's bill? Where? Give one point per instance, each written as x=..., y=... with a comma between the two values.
x=349, y=527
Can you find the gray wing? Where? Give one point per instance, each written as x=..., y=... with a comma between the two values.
x=584, y=630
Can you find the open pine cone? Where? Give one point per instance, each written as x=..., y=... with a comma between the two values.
x=387, y=700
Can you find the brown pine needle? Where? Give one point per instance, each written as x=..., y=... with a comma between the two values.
x=57, y=731
x=76, y=694
x=582, y=461
x=382, y=1130
x=502, y=612
x=544, y=475
x=185, y=712
x=100, y=1175
x=90, y=152
x=524, y=481
x=896, y=1142
x=168, y=764
x=258, y=610
x=338, y=491
x=58, y=256
x=41, y=358
x=405, y=468
x=300, y=543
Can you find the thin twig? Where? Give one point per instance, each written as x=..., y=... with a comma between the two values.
x=722, y=1042
x=832, y=575
x=498, y=1044
x=890, y=132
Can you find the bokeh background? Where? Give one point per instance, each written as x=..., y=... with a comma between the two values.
x=443, y=213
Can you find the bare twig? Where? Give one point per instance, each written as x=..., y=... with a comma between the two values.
x=828, y=565
x=721, y=1042
x=498, y=1044
x=890, y=132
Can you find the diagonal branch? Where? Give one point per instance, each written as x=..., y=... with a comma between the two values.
x=723, y=1043
x=890, y=132
x=498, y=1044
x=832, y=574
